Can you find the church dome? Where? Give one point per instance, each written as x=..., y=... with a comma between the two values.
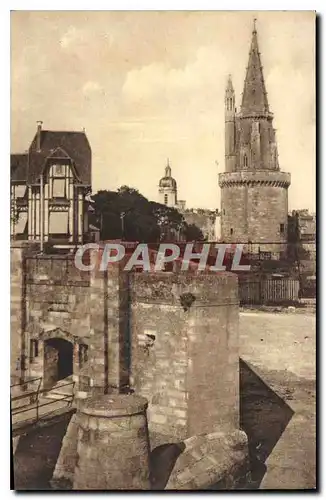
x=167, y=181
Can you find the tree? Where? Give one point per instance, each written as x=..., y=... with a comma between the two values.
x=193, y=233
x=127, y=214
x=170, y=222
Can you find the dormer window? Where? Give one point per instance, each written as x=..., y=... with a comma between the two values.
x=58, y=170
x=58, y=182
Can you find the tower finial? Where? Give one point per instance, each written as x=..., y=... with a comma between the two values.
x=254, y=29
x=229, y=86
x=168, y=168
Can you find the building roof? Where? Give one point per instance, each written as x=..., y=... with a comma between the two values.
x=74, y=146
x=56, y=144
x=254, y=97
x=18, y=167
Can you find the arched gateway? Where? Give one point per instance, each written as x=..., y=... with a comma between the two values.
x=58, y=361
x=56, y=355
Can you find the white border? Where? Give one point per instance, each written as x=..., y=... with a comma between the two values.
x=5, y=8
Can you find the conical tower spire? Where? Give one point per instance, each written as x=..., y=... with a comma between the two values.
x=229, y=85
x=229, y=97
x=254, y=97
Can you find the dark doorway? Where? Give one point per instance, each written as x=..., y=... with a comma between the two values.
x=58, y=361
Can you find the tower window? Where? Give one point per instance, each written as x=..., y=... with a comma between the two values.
x=231, y=230
x=245, y=161
x=165, y=199
x=223, y=211
x=282, y=228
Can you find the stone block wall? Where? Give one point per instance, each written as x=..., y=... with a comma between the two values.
x=171, y=336
x=57, y=294
x=52, y=298
x=18, y=252
x=185, y=352
x=253, y=206
x=16, y=311
x=57, y=306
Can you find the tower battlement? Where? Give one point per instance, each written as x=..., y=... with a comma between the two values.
x=257, y=178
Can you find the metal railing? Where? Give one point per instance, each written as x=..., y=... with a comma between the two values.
x=34, y=405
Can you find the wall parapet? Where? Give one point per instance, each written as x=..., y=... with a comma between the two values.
x=169, y=288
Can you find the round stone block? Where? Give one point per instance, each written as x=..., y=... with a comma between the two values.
x=113, y=451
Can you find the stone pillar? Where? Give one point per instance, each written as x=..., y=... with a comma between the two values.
x=113, y=444
x=107, y=363
x=185, y=357
x=18, y=344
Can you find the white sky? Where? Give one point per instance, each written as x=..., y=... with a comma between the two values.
x=150, y=85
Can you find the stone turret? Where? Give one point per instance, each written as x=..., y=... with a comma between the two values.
x=254, y=192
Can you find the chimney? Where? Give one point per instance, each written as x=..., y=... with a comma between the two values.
x=38, y=136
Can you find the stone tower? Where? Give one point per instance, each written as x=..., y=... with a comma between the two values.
x=254, y=192
x=168, y=188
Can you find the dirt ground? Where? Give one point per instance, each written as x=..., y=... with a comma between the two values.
x=279, y=341
x=278, y=365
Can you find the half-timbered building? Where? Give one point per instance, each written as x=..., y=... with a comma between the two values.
x=49, y=188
